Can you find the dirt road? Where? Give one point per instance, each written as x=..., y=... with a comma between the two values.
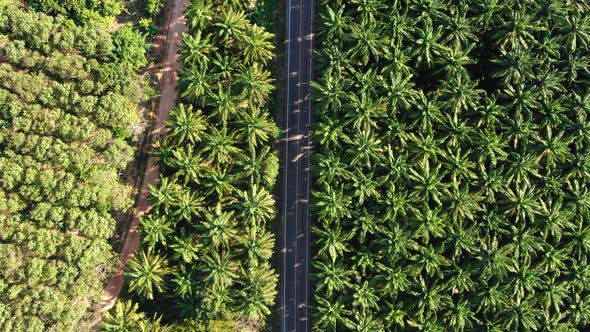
x=176, y=26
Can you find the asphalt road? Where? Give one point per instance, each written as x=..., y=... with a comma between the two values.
x=295, y=292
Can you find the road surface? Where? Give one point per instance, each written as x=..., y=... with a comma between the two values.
x=175, y=26
x=295, y=289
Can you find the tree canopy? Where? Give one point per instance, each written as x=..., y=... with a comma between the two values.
x=67, y=119
x=207, y=244
x=451, y=171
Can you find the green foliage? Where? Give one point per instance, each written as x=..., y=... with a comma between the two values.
x=451, y=174
x=61, y=107
x=213, y=208
x=129, y=46
x=81, y=11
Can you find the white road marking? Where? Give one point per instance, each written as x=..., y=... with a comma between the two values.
x=308, y=170
x=284, y=301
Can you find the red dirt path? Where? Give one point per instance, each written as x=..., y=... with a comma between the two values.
x=176, y=25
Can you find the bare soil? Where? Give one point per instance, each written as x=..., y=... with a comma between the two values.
x=174, y=28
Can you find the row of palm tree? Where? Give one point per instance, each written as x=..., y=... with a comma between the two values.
x=451, y=177
x=207, y=243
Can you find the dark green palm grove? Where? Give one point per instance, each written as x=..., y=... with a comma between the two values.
x=67, y=116
x=453, y=169
x=208, y=242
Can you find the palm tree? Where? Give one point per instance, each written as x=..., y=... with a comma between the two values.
x=334, y=23
x=364, y=186
x=187, y=164
x=255, y=84
x=329, y=315
x=185, y=247
x=516, y=30
x=367, y=225
x=330, y=133
x=430, y=260
x=400, y=91
x=463, y=203
x=365, y=81
x=220, y=269
x=188, y=204
x=258, y=246
x=491, y=148
x=224, y=67
x=124, y=317
x=252, y=164
x=256, y=46
x=332, y=204
x=521, y=315
x=186, y=125
x=258, y=293
x=185, y=284
x=366, y=41
x=332, y=242
x=255, y=206
x=332, y=278
x=364, y=297
x=230, y=25
x=427, y=183
x=521, y=202
x=197, y=49
x=330, y=91
x=165, y=195
x=428, y=44
x=364, y=320
x=220, y=182
x=147, y=272
x=398, y=60
x=155, y=229
x=368, y=9
x=428, y=113
x=223, y=103
x=454, y=60
x=460, y=164
x=395, y=243
x=220, y=146
x=332, y=169
x=255, y=127
x=461, y=239
x=430, y=299
x=216, y=301
x=428, y=223
x=218, y=228
x=364, y=112
x=365, y=148
x=396, y=202
x=199, y=15
x=460, y=316
x=195, y=82
x=554, y=148
x=461, y=94
x=392, y=280
x=460, y=27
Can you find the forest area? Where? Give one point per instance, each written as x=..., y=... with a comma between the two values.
x=451, y=166
x=205, y=261
x=452, y=173
x=70, y=122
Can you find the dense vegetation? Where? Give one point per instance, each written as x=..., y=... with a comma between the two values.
x=67, y=114
x=208, y=242
x=453, y=170
x=80, y=11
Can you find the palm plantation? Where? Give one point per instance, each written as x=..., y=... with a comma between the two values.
x=450, y=192
x=207, y=244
